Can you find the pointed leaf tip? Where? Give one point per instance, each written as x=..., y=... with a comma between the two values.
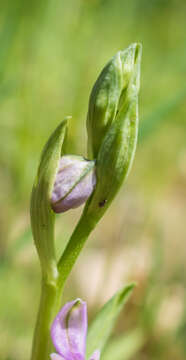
x=103, y=324
x=42, y=216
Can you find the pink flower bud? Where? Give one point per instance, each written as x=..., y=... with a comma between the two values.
x=74, y=183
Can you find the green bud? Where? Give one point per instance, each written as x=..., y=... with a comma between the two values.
x=117, y=147
x=107, y=96
x=42, y=215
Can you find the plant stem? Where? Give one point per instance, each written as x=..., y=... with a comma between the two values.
x=49, y=305
x=51, y=293
x=74, y=247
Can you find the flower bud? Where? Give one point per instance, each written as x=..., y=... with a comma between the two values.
x=107, y=96
x=74, y=183
x=117, y=147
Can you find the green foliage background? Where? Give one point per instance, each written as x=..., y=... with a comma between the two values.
x=51, y=52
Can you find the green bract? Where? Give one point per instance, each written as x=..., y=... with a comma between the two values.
x=113, y=126
x=42, y=216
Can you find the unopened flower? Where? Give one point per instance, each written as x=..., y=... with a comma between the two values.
x=114, y=89
x=74, y=183
x=69, y=331
x=112, y=125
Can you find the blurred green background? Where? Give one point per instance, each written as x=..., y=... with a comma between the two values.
x=51, y=53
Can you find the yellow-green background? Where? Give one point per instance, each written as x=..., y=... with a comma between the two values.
x=51, y=52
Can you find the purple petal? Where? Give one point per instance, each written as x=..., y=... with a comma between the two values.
x=94, y=356
x=56, y=357
x=69, y=330
x=74, y=183
x=79, y=194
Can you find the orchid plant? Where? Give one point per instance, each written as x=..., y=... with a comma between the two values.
x=65, y=181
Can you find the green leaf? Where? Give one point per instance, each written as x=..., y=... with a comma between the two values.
x=42, y=216
x=103, y=324
x=125, y=346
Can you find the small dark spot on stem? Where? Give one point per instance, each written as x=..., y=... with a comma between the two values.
x=102, y=203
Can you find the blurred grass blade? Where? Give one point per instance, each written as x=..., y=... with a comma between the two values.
x=124, y=347
x=158, y=117
x=102, y=325
x=7, y=37
x=12, y=251
x=21, y=241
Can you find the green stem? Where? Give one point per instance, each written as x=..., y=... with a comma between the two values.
x=74, y=247
x=51, y=293
x=49, y=306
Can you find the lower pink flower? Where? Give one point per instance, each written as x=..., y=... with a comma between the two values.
x=69, y=332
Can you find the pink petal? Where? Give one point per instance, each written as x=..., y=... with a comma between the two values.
x=69, y=330
x=56, y=357
x=74, y=183
x=94, y=356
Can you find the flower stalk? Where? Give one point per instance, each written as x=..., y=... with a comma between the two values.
x=49, y=306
